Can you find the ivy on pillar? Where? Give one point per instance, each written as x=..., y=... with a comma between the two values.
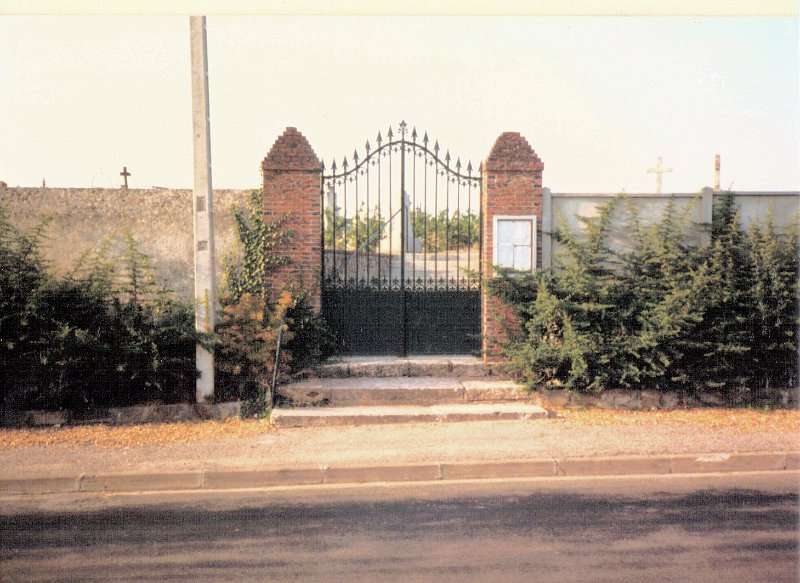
x=512, y=187
x=291, y=179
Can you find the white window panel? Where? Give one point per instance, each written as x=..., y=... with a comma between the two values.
x=515, y=242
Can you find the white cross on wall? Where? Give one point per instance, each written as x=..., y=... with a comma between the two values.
x=658, y=171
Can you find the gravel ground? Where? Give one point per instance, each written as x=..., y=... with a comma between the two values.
x=254, y=443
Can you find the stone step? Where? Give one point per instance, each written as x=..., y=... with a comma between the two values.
x=421, y=366
x=363, y=391
x=336, y=416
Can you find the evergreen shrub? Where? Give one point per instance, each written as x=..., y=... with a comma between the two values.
x=666, y=312
x=104, y=335
x=107, y=335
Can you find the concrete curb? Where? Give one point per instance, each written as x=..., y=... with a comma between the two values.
x=220, y=479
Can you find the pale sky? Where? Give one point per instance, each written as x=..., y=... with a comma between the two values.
x=598, y=98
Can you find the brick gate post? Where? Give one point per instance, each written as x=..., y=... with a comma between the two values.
x=512, y=204
x=292, y=174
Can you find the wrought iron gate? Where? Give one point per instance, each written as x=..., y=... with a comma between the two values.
x=401, y=265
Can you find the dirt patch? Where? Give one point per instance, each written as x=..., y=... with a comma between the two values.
x=746, y=420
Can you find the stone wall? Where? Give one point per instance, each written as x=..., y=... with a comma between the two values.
x=159, y=219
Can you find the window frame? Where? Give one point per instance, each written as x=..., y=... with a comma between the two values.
x=512, y=218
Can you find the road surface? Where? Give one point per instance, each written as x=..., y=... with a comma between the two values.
x=719, y=528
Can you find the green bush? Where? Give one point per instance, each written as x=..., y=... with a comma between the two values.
x=443, y=231
x=667, y=314
x=247, y=338
x=247, y=333
x=104, y=335
x=107, y=335
x=362, y=233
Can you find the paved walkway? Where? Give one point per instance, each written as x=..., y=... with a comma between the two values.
x=256, y=455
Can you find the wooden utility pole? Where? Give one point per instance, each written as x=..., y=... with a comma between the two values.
x=205, y=285
x=125, y=175
x=716, y=173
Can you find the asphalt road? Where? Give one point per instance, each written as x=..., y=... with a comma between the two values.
x=740, y=528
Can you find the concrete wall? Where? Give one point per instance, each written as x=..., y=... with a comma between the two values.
x=558, y=208
x=160, y=220
x=756, y=206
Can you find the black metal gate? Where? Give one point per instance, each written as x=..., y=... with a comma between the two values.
x=401, y=265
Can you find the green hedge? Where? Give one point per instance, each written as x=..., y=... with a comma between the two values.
x=665, y=314
x=107, y=335
x=103, y=335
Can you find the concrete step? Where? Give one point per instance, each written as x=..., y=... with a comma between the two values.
x=420, y=366
x=365, y=391
x=336, y=416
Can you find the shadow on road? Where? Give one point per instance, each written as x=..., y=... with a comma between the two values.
x=474, y=535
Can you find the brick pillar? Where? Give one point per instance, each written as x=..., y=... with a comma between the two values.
x=292, y=174
x=512, y=186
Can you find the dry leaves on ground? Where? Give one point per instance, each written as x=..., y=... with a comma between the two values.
x=134, y=435
x=742, y=420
